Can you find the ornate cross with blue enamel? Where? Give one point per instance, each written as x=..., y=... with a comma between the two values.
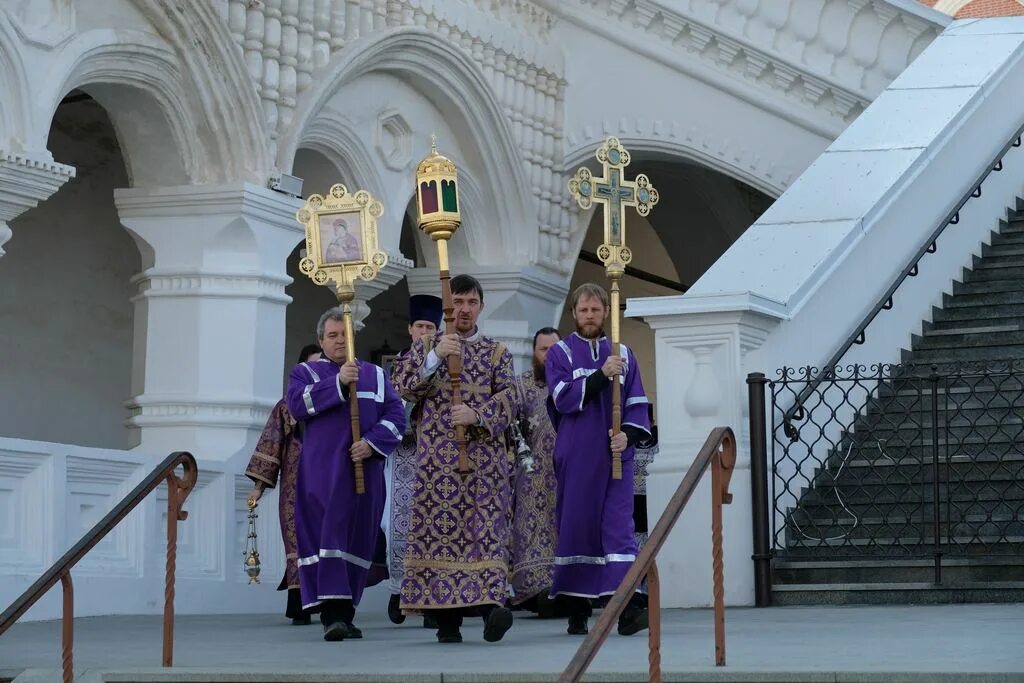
x=616, y=193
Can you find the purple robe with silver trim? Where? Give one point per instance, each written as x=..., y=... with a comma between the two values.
x=337, y=529
x=594, y=512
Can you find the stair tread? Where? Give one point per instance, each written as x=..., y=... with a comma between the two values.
x=973, y=330
x=914, y=586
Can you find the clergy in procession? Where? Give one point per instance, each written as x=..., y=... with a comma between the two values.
x=594, y=511
x=456, y=560
x=533, y=519
x=424, y=320
x=336, y=528
x=276, y=458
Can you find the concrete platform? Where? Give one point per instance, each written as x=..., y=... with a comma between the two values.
x=806, y=644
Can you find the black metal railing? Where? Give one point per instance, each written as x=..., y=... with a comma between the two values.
x=929, y=246
x=894, y=461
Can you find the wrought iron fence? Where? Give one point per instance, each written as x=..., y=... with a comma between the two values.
x=898, y=461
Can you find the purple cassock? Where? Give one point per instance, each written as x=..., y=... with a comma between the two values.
x=594, y=512
x=337, y=529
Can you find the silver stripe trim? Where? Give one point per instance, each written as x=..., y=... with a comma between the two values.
x=375, y=447
x=333, y=553
x=337, y=382
x=558, y=389
x=635, y=400
x=307, y=398
x=565, y=349
x=380, y=384
x=590, y=559
x=316, y=377
x=391, y=427
x=583, y=372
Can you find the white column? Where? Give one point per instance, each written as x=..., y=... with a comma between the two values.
x=26, y=180
x=700, y=347
x=518, y=301
x=210, y=313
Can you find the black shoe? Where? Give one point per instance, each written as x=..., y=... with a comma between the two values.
x=395, y=610
x=497, y=622
x=302, y=621
x=577, y=626
x=449, y=636
x=430, y=621
x=353, y=633
x=335, y=632
x=633, y=620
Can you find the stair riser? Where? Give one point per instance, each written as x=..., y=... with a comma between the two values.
x=922, y=597
x=951, y=574
x=921, y=533
x=961, y=354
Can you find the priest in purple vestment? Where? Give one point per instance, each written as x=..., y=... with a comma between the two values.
x=533, y=518
x=276, y=458
x=337, y=529
x=595, y=512
x=456, y=560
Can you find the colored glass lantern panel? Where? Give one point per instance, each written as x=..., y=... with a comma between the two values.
x=448, y=200
x=428, y=197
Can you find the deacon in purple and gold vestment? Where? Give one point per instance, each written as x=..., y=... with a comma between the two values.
x=457, y=553
x=533, y=518
x=336, y=528
x=276, y=458
x=424, y=319
x=595, y=512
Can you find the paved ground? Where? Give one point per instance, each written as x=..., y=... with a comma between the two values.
x=920, y=643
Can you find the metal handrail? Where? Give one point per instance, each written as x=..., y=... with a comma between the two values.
x=178, y=490
x=885, y=303
x=718, y=453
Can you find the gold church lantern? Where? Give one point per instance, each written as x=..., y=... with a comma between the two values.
x=437, y=195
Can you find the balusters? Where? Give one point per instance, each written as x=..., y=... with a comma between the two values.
x=271, y=65
x=236, y=21
x=305, y=52
x=365, y=17
x=339, y=20
x=287, y=74
x=380, y=15
x=253, y=46
x=351, y=19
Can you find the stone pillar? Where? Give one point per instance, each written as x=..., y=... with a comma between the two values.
x=210, y=313
x=26, y=180
x=389, y=276
x=518, y=301
x=700, y=348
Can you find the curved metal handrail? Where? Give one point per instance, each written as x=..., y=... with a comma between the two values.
x=178, y=490
x=885, y=303
x=718, y=453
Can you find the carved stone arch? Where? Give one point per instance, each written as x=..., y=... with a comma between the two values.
x=331, y=132
x=137, y=80
x=714, y=154
x=457, y=87
x=15, y=108
x=229, y=119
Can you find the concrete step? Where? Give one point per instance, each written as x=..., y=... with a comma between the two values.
x=1004, y=250
x=956, y=354
x=983, y=294
x=954, y=571
x=996, y=493
x=984, y=273
x=896, y=594
x=951, y=329
x=1005, y=336
x=980, y=314
x=847, y=527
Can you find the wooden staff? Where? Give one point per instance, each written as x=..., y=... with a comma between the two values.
x=614, y=276
x=353, y=394
x=454, y=360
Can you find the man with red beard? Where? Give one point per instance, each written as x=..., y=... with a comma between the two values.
x=533, y=519
x=596, y=545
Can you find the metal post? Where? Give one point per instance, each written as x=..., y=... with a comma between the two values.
x=756, y=384
x=936, y=521
x=68, y=628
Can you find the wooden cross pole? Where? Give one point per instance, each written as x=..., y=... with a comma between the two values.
x=341, y=246
x=615, y=193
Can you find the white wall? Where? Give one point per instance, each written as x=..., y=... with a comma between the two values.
x=65, y=315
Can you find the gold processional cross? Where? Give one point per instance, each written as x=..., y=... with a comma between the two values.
x=616, y=193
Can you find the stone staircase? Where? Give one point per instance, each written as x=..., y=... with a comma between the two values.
x=864, y=532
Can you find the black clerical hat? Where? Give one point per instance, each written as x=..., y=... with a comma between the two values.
x=425, y=307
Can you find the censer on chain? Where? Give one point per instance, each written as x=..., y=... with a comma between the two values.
x=251, y=566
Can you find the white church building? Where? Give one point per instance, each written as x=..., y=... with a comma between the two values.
x=150, y=296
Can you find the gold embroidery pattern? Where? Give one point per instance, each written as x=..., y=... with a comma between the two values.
x=457, y=548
